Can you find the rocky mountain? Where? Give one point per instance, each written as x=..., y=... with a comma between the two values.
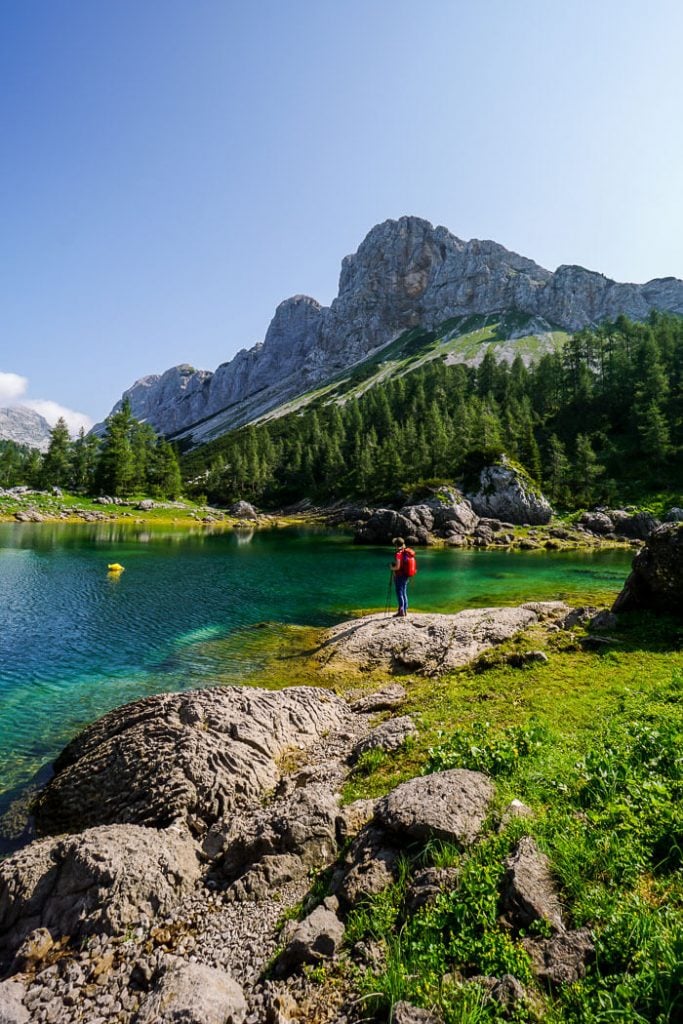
x=24, y=426
x=405, y=274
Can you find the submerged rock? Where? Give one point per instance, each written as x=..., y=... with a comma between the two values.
x=429, y=644
x=183, y=757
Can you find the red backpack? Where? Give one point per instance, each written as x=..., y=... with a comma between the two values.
x=408, y=562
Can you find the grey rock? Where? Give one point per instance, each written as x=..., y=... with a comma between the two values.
x=316, y=938
x=243, y=510
x=193, y=994
x=674, y=515
x=369, y=867
x=429, y=644
x=101, y=881
x=604, y=621
x=428, y=884
x=634, y=526
x=529, y=893
x=12, y=1009
x=24, y=426
x=387, y=699
x=191, y=757
x=352, y=817
x=303, y=824
x=450, y=805
x=405, y=1013
x=389, y=736
x=561, y=959
x=656, y=579
x=506, y=493
x=596, y=522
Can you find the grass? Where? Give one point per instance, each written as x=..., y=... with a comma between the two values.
x=593, y=744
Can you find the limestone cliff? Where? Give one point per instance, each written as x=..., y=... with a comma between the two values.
x=405, y=273
x=24, y=426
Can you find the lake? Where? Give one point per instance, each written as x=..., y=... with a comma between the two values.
x=76, y=641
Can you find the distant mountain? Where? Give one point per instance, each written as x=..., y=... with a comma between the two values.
x=406, y=274
x=24, y=426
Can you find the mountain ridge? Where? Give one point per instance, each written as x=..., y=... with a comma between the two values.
x=405, y=274
x=24, y=426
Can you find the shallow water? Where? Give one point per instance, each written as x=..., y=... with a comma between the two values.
x=75, y=641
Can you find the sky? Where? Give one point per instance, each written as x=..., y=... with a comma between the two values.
x=170, y=170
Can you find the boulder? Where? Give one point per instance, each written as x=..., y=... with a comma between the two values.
x=450, y=805
x=369, y=866
x=192, y=757
x=193, y=993
x=101, y=881
x=596, y=522
x=634, y=526
x=243, y=510
x=389, y=736
x=316, y=938
x=561, y=959
x=674, y=515
x=429, y=644
x=656, y=580
x=529, y=892
x=385, y=524
x=506, y=492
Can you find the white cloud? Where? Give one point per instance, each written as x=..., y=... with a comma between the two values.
x=13, y=389
x=52, y=412
x=12, y=386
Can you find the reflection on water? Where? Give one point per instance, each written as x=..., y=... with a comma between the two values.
x=190, y=607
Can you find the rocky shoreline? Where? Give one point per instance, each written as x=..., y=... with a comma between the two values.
x=180, y=835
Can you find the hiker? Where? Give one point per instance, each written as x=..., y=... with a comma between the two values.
x=403, y=567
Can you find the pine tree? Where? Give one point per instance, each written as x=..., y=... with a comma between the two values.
x=116, y=466
x=57, y=464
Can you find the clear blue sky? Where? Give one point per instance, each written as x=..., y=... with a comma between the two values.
x=172, y=169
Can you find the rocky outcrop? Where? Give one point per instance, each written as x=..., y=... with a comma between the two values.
x=184, y=757
x=405, y=273
x=656, y=579
x=428, y=644
x=103, y=880
x=24, y=426
x=389, y=737
x=506, y=492
x=446, y=515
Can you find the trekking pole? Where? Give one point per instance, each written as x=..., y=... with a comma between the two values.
x=386, y=603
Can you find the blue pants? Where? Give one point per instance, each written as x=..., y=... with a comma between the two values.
x=402, y=592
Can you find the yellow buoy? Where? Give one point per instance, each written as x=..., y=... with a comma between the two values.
x=115, y=567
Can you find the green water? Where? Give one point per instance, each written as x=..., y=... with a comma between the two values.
x=75, y=642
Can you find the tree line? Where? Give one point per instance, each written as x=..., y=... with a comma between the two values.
x=600, y=420
x=128, y=459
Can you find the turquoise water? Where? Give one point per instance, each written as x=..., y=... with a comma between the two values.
x=75, y=642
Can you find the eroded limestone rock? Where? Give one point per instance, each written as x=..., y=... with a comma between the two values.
x=450, y=805
x=183, y=757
